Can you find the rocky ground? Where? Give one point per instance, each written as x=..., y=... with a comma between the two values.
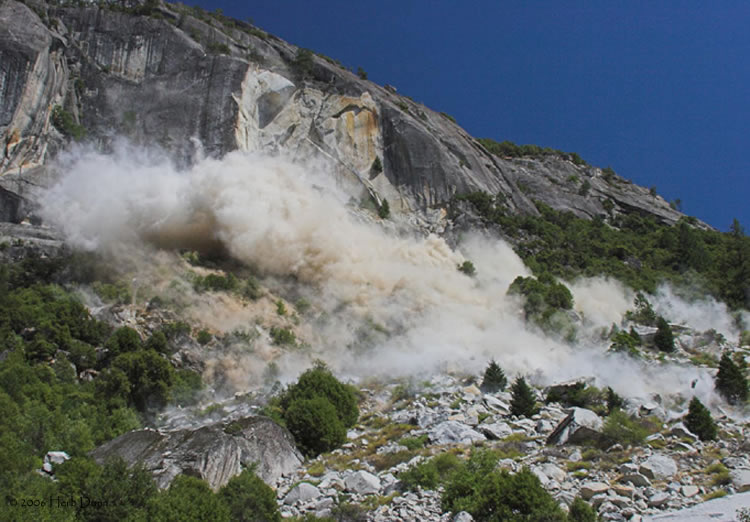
x=671, y=471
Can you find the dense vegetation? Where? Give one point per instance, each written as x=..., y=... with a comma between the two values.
x=634, y=249
x=67, y=381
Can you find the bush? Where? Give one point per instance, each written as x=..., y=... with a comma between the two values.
x=467, y=267
x=249, y=499
x=188, y=499
x=377, y=165
x=491, y=495
x=318, y=409
x=303, y=63
x=699, y=421
x=523, y=401
x=384, y=210
x=494, y=378
x=204, y=337
x=320, y=382
x=581, y=511
x=64, y=122
x=283, y=336
x=614, y=401
x=664, y=339
x=730, y=381
x=315, y=425
x=620, y=428
x=431, y=473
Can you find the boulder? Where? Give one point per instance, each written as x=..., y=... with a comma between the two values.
x=589, y=489
x=362, y=483
x=689, y=491
x=495, y=430
x=658, y=467
x=581, y=425
x=740, y=479
x=302, y=493
x=636, y=479
x=452, y=432
x=658, y=499
x=215, y=452
x=462, y=516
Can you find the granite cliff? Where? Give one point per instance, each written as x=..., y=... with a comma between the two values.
x=191, y=80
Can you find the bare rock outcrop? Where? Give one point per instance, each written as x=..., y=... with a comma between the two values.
x=214, y=453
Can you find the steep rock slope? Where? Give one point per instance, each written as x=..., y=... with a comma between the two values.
x=189, y=80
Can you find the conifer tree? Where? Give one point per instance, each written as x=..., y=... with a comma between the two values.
x=699, y=421
x=494, y=378
x=663, y=338
x=730, y=382
x=523, y=402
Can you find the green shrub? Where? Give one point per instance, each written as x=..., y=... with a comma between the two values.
x=699, y=421
x=320, y=382
x=523, y=401
x=218, y=48
x=545, y=298
x=361, y=73
x=494, y=379
x=204, y=337
x=188, y=499
x=64, y=122
x=585, y=188
x=249, y=499
x=467, y=267
x=118, y=293
x=664, y=339
x=187, y=387
x=415, y=443
x=318, y=409
x=315, y=425
x=384, y=210
x=215, y=282
x=620, y=428
x=730, y=381
x=581, y=511
x=150, y=377
x=614, y=401
x=283, y=336
x=303, y=63
x=377, y=165
x=491, y=495
x=431, y=473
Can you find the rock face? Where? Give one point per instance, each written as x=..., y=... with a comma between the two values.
x=214, y=453
x=178, y=77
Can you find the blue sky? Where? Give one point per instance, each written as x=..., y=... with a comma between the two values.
x=660, y=91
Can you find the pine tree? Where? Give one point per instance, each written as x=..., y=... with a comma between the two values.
x=730, y=382
x=614, y=401
x=494, y=378
x=523, y=402
x=699, y=421
x=663, y=338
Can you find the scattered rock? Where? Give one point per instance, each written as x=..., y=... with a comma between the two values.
x=452, y=432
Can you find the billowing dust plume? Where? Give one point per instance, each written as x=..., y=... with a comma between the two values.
x=388, y=305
